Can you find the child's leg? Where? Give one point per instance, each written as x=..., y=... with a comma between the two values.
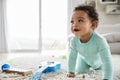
x=81, y=66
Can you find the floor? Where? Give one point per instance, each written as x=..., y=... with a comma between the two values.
x=33, y=60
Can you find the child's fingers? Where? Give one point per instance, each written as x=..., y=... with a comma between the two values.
x=71, y=75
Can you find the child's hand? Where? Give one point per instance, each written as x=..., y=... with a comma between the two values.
x=71, y=75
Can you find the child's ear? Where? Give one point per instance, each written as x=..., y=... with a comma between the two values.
x=94, y=24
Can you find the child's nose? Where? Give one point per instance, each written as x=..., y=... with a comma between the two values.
x=75, y=24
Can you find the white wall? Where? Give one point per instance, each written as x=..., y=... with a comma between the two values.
x=108, y=22
x=107, y=18
x=3, y=47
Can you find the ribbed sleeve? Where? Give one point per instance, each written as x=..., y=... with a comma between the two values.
x=72, y=56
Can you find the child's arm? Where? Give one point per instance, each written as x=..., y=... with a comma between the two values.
x=107, y=64
x=105, y=54
x=72, y=56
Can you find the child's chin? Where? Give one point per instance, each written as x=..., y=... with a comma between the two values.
x=77, y=35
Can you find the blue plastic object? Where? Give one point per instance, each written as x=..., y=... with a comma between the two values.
x=5, y=66
x=36, y=76
x=49, y=67
x=52, y=67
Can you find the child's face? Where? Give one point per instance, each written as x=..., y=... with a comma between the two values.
x=81, y=24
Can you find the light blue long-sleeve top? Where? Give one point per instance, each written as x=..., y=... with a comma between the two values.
x=95, y=52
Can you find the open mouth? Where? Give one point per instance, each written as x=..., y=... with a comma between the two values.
x=76, y=30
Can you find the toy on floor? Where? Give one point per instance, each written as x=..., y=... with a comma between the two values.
x=5, y=66
x=44, y=68
x=63, y=57
x=7, y=69
x=22, y=72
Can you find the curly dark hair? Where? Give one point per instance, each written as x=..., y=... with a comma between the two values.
x=90, y=10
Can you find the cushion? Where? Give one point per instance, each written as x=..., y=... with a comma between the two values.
x=112, y=37
x=108, y=28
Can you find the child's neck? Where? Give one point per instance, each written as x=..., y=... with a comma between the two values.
x=85, y=38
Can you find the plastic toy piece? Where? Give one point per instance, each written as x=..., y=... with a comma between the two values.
x=83, y=76
x=52, y=67
x=5, y=66
x=63, y=57
x=18, y=71
x=46, y=67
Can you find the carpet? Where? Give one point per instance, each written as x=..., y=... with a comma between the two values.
x=34, y=61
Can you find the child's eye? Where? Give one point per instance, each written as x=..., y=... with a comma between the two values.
x=72, y=21
x=80, y=20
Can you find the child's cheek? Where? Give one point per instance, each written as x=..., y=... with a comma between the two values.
x=72, y=29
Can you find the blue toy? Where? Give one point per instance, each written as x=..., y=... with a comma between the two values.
x=44, y=68
x=5, y=66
